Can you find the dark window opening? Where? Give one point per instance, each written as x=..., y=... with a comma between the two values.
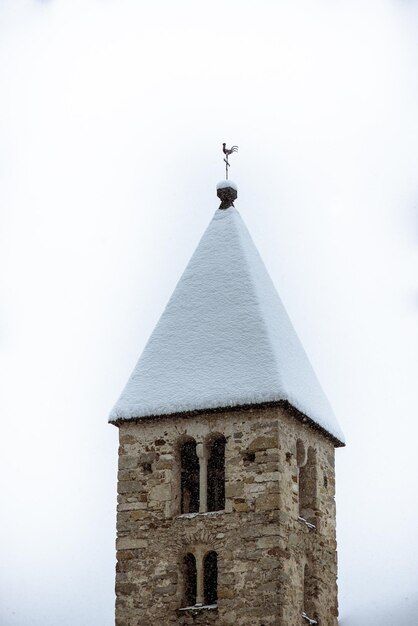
x=249, y=457
x=190, y=580
x=210, y=578
x=147, y=468
x=189, y=477
x=216, y=475
x=307, y=487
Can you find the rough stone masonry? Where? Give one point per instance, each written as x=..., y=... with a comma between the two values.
x=277, y=560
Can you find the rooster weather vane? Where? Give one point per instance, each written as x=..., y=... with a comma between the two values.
x=227, y=152
x=227, y=191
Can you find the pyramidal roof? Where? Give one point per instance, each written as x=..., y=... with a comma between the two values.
x=224, y=340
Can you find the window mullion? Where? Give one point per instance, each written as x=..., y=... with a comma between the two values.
x=202, y=454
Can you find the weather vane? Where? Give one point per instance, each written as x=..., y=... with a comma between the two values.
x=227, y=152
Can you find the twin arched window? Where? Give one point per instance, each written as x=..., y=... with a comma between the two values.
x=201, y=579
x=202, y=479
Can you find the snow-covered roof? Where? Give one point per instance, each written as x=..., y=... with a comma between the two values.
x=224, y=339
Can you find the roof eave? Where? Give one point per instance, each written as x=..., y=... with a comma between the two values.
x=284, y=404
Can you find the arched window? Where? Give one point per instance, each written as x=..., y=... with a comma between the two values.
x=307, y=487
x=190, y=580
x=189, y=477
x=210, y=578
x=216, y=475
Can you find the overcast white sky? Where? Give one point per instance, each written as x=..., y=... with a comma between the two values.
x=112, y=114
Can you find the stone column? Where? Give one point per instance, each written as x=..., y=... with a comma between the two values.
x=202, y=454
x=200, y=598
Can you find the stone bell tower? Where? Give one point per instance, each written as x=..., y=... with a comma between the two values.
x=226, y=484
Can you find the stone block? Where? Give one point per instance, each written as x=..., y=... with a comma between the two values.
x=128, y=462
x=241, y=506
x=138, y=515
x=267, y=542
x=267, y=477
x=127, y=439
x=161, y=493
x=225, y=592
x=234, y=489
x=263, y=443
x=267, y=501
x=131, y=543
x=127, y=486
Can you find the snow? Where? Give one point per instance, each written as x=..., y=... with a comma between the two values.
x=308, y=524
x=224, y=339
x=200, y=514
x=223, y=184
x=199, y=607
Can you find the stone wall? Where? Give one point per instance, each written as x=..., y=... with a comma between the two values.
x=261, y=544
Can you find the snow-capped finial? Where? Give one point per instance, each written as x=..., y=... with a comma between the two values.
x=227, y=192
x=227, y=152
